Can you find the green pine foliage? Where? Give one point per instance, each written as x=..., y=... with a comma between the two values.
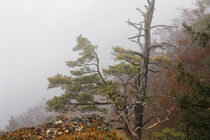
x=168, y=134
x=200, y=30
x=193, y=99
x=87, y=81
x=82, y=84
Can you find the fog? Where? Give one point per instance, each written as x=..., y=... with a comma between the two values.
x=37, y=37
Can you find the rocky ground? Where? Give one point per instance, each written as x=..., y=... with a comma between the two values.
x=80, y=128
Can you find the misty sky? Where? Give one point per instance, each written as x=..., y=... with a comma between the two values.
x=37, y=37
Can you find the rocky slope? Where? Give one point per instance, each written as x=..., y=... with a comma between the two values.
x=80, y=128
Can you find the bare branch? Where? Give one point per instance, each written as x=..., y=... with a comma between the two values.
x=122, y=113
x=161, y=45
x=138, y=42
x=153, y=71
x=161, y=121
x=137, y=36
x=168, y=44
x=133, y=25
x=130, y=113
x=133, y=37
x=157, y=45
x=165, y=96
x=136, y=53
x=99, y=72
x=94, y=103
x=129, y=127
x=134, y=41
x=158, y=62
x=149, y=119
x=83, y=65
x=132, y=85
x=143, y=13
x=125, y=86
x=146, y=7
x=148, y=1
x=166, y=26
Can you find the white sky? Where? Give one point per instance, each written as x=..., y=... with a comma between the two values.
x=37, y=36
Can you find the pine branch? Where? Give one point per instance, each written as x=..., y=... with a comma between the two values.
x=132, y=62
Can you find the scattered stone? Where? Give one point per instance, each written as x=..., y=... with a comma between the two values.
x=51, y=130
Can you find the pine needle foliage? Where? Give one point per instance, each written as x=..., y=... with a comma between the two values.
x=193, y=99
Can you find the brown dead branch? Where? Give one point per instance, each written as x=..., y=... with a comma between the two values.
x=161, y=121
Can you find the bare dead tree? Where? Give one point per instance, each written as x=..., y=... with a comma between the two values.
x=143, y=40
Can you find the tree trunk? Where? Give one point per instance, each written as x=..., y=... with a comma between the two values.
x=139, y=108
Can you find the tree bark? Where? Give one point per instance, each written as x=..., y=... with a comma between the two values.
x=142, y=85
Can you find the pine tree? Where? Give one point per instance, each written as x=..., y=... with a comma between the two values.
x=83, y=84
x=193, y=99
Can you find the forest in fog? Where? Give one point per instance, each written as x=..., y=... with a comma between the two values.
x=155, y=88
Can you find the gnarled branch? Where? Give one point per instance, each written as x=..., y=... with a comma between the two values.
x=121, y=114
x=99, y=72
x=161, y=121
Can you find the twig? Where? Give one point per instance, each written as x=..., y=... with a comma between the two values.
x=143, y=13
